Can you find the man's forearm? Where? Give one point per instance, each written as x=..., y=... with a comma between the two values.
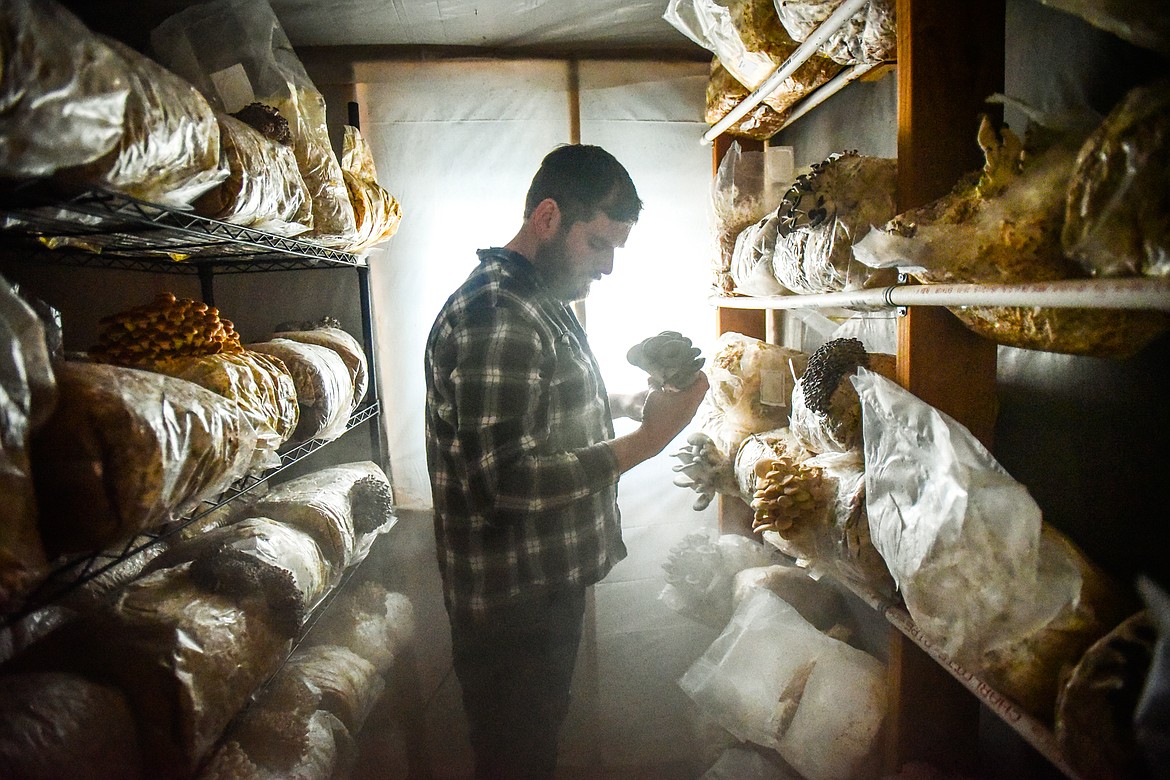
x=635, y=447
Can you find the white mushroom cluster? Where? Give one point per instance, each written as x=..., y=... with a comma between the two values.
x=669, y=358
x=705, y=469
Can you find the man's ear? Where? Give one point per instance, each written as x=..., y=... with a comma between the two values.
x=546, y=219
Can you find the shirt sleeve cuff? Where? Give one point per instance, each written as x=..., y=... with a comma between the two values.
x=600, y=463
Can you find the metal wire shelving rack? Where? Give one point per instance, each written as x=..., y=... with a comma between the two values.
x=70, y=573
x=109, y=229
x=98, y=228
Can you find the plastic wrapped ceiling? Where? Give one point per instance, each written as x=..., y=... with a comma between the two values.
x=492, y=24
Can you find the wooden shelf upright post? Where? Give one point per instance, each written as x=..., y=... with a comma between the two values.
x=950, y=60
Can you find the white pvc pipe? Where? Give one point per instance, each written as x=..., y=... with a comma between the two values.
x=1147, y=293
x=787, y=68
x=828, y=89
x=857, y=299
x=1133, y=293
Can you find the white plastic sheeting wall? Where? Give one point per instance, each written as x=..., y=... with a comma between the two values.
x=457, y=142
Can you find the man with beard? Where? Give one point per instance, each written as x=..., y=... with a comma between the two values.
x=523, y=459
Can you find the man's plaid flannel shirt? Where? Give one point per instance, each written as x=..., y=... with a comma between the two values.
x=524, y=485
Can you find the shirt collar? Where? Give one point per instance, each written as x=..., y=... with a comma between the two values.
x=506, y=254
x=520, y=265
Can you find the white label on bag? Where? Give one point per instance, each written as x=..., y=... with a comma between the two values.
x=776, y=388
x=235, y=91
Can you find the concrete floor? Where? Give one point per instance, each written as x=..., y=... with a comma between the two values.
x=629, y=718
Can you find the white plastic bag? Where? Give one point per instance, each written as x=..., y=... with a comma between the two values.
x=751, y=260
x=870, y=35
x=711, y=25
x=773, y=679
x=825, y=212
x=737, y=201
x=747, y=38
x=752, y=381
x=235, y=52
x=959, y=535
x=62, y=91
x=376, y=212
x=345, y=508
x=1116, y=219
x=28, y=392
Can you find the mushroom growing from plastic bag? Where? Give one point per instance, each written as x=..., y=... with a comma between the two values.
x=1003, y=226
